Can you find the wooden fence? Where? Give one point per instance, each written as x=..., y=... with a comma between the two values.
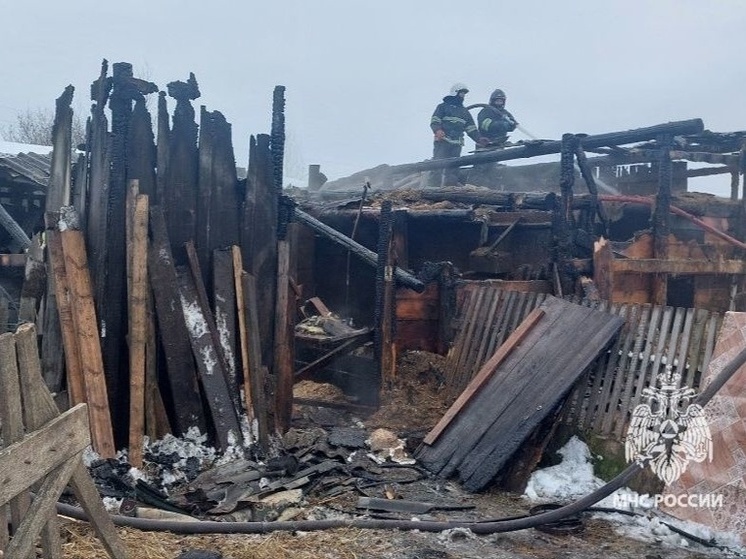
x=652, y=338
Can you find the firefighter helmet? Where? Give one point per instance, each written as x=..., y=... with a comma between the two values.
x=497, y=94
x=457, y=87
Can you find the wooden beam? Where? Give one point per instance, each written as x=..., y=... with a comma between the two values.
x=284, y=361
x=699, y=267
x=257, y=370
x=484, y=374
x=43, y=450
x=138, y=256
x=243, y=337
x=86, y=328
x=70, y=342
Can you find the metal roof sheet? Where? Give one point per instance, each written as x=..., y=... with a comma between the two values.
x=33, y=167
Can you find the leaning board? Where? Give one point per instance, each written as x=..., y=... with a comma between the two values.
x=520, y=393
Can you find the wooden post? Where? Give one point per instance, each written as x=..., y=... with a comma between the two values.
x=562, y=219
x=283, y=355
x=138, y=327
x=71, y=345
x=257, y=371
x=590, y=182
x=84, y=319
x=661, y=218
x=603, y=269
x=243, y=338
x=11, y=421
x=58, y=195
x=384, y=297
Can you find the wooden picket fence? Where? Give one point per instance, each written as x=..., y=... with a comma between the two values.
x=601, y=403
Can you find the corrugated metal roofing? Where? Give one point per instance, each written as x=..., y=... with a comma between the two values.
x=33, y=167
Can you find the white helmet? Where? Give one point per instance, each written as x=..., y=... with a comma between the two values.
x=456, y=87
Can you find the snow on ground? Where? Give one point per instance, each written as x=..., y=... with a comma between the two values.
x=573, y=478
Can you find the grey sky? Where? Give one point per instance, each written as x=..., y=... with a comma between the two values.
x=363, y=78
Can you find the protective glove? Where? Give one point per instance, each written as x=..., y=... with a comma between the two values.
x=439, y=134
x=483, y=142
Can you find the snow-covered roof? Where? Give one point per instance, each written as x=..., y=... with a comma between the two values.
x=14, y=148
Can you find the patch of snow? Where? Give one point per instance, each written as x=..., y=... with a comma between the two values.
x=573, y=478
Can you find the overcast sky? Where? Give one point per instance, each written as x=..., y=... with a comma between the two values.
x=363, y=79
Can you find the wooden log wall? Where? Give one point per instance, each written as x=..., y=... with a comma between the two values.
x=601, y=403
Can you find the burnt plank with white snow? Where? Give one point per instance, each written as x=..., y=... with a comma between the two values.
x=180, y=368
x=214, y=383
x=224, y=297
x=524, y=390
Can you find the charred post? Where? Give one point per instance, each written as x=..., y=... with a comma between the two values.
x=180, y=197
x=661, y=216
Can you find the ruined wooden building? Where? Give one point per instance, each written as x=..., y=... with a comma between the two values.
x=176, y=295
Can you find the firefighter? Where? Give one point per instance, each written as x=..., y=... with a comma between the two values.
x=495, y=121
x=449, y=122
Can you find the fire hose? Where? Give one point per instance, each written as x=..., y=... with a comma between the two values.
x=485, y=527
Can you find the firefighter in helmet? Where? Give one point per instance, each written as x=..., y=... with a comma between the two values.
x=449, y=122
x=495, y=121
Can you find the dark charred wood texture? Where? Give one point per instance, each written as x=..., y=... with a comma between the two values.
x=141, y=150
x=480, y=441
x=259, y=238
x=163, y=143
x=224, y=304
x=180, y=197
x=693, y=126
x=181, y=372
x=207, y=356
x=58, y=195
x=218, y=208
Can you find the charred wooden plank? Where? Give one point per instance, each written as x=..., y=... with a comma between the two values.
x=141, y=149
x=259, y=238
x=487, y=370
x=180, y=366
x=218, y=205
x=163, y=150
x=507, y=408
x=180, y=196
x=206, y=354
x=224, y=289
